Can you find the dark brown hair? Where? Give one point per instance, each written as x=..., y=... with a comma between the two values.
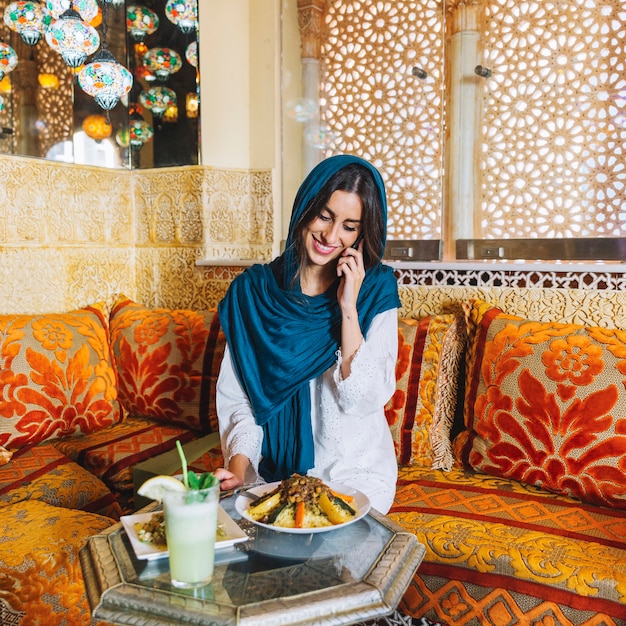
x=353, y=178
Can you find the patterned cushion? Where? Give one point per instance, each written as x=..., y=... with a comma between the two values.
x=168, y=362
x=39, y=563
x=546, y=404
x=43, y=473
x=421, y=411
x=111, y=454
x=501, y=552
x=56, y=376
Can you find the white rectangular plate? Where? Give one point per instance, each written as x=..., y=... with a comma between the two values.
x=143, y=550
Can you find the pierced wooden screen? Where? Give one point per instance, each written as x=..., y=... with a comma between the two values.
x=553, y=162
x=380, y=111
x=554, y=112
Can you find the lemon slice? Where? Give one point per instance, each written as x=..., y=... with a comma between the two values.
x=155, y=487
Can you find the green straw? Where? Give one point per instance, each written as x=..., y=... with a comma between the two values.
x=183, y=462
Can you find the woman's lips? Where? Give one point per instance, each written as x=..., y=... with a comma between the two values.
x=323, y=249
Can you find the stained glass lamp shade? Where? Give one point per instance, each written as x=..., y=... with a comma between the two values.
x=28, y=19
x=88, y=9
x=191, y=54
x=162, y=62
x=8, y=59
x=97, y=127
x=158, y=99
x=72, y=38
x=183, y=13
x=140, y=22
x=105, y=79
x=139, y=131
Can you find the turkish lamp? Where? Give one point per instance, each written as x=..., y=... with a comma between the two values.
x=139, y=132
x=191, y=54
x=28, y=19
x=48, y=80
x=105, y=80
x=87, y=9
x=97, y=127
x=192, y=105
x=162, y=62
x=72, y=38
x=140, y=22
x=183, y=13
x=158, y=100
x=8, y=59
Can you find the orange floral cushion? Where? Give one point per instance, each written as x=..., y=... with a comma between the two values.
x=41, y=576
x=56, y=376
x=167, y=362
x=546, y=404
x=43, y=473
x=421, y=411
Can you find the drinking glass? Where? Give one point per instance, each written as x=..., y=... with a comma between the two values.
x=190, y=528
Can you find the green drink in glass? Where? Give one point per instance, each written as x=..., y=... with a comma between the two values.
x=190, y=528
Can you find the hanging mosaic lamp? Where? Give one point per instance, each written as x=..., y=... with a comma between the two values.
x=158, y=99
x=97, y=127
x=191, y=54
x=88, y=9
x=8, y=59
x=183, y=13
x=162, y=62
x=72, y=38
x=28, y=19
x=140, y=22
x=105, y=79
x=139, y=132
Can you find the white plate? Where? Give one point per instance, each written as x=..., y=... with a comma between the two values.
x=361, y=504
x=144, y=550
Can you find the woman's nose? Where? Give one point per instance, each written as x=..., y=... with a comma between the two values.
x=331, y=234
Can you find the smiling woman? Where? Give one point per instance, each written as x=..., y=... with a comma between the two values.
x=43, y=107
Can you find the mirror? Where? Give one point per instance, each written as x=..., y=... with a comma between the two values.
x=45, y=113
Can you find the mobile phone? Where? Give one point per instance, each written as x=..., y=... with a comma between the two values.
x=355, y=245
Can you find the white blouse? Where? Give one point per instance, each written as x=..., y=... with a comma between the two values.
x=352, y=441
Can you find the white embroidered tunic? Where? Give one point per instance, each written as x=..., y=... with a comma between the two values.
x=352, y=441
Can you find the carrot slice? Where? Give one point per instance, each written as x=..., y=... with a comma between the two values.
x=343, y=496
x=299, y=514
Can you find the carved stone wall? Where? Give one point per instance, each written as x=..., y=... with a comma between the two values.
x=71, y=235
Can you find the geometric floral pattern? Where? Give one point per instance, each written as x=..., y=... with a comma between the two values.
x=167, y=363
x=500, y=552
x=421, y=411
x=43, y=473
x=47, y=585
x=546, y=404
x=56, y=376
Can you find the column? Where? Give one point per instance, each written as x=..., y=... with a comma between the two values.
x=310, y=16
x=462, y=152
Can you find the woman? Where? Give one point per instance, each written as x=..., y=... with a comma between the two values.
x=312, y=341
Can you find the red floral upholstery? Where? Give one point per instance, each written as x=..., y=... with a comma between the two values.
x=40, y=575
x=501, y=552
x=546, y=404
x=56, y=376
x=421, y=411
x=43, y=473
x=167, y=362
x=111, y=454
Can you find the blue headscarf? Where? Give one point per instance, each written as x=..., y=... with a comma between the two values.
x=280, y=339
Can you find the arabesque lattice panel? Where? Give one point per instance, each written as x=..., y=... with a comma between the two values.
x=379, y=110
x=554, y=123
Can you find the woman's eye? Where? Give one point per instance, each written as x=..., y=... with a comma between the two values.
x=325, y=218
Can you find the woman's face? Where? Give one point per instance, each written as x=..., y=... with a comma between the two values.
x=335, y=228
